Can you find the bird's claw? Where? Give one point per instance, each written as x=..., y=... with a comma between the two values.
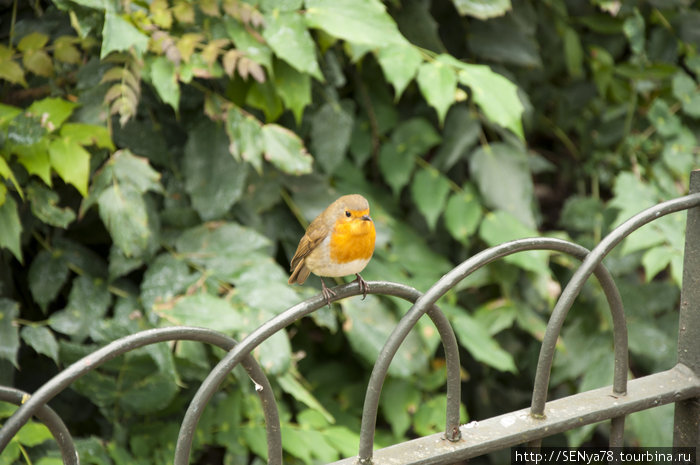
x=364, y=286
x=327, y=293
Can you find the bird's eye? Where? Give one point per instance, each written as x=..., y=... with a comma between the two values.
x=348, y=214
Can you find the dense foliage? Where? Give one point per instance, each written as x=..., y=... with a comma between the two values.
x=160, y=160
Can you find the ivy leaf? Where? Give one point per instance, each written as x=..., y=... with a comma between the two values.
x=286, y=34
x=164, y=79
x=9, y=339
x=47, y=275
x=438, y=83
x=361, y=22
x=213, y=178
x=42, y=340
x=331, y=128
x=502, y=173
x=11, y=228
x=72, y=163
x=495, y=95
x=285, y=150
x=119, y=35
x=463, y=214
x=429, y=190
x=482, y=9
x=400, y=64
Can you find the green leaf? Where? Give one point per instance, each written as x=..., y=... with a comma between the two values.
x=213, y=178
x=10, y=70
x=496, y=95
x=125, y=167
x=331, y=128
x=573, y=53
x=503, y=175
x=164, y=79
x=398, y=401
x=203, y=310
x=6, y=173
x=35, y=158
x=633, y=27
x=245, y=137
x=656, y=259
x=87, y=304
x=119, y=35
x=361, y=22
x=462, y=129
x=286, y=33
x=165, y=278
x=125, y=215
x=685, y=89
x=263, y=96
x=42, y=340
x=293, y=387
x=499, y=227
x=9, y=339
x=285, y=150
x=11, y=228
x=438, y=83
x=88, y=134
x=463, y=214
x=44, y=203
x=32, y=434
x=476, y=339
x=429, y=190
x=482, y=9
x=368, y=325
x=660, y=116
x=247, y=43
x=400, y=64
x=293, y=87
x=47, y=275
x=32, y=41
x=632, y=195
x=395, y=165
x=72, y=163
x=51, y=111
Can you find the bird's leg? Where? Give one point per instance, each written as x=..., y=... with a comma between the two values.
x=327, y=293
x=364, y=287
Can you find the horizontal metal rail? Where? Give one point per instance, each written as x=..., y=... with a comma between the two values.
x=510, y=429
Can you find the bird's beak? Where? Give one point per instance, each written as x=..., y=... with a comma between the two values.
x=366, y=218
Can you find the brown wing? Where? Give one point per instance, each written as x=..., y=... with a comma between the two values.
x=315, y=233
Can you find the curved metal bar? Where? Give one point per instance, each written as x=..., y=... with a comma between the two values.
x=572, y=289
x=55, y=385
x=449, y=280
x=211, y=383
x=52, y=421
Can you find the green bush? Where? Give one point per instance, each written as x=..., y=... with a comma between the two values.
x=160, y=160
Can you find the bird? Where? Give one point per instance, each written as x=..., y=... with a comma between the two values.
x=338, y=242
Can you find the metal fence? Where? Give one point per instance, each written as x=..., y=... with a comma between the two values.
x=679, y=385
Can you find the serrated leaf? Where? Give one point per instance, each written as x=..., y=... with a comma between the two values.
x=32, y=41
x=499, y=227
x=482, y=9
x=502, y=173
x=6, y=173
x=245, y=138
x=119, y=35
x=293, y=87
x=400, y=64
x=88, y=134
x=285, y=150
x=126, y=168
x=52, y=112
x=164, y=79
x=213, y=178
x=476, y=339
x=463, y=214
x=395, y=165
x=42, y=340
x=38, y=62
x=291, y=386
x=44, y=204
x=495, y=95
x=9, y=338
x=331, y=128
x=202, y=310
x=88, y=301
x=72, y=163
x=33, y=433
x=656, y=259
x=362, y=22
x=123, y=211
x=35, y=158
x=399, y=399
x=462, y=129
x=660, y=116
x=438, y=83
x=10, y=70
x=165, y=278
x=47, y=275
x=429, y=190
x=11, y=228
x=286, y=33
x=685, y=89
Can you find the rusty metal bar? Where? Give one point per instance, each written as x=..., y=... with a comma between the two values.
x=518, y=427
x=51, y=420
x=572, y=289
x=62, y=380
x=686, y=425
x=381, y=366
x=260, y=334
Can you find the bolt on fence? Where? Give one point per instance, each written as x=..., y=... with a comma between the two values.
x=679, y=385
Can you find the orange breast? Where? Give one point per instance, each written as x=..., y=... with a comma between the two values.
x=352, y=241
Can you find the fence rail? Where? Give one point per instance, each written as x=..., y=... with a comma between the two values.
x=679, y=385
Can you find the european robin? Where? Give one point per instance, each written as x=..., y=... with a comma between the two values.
x=339, y=242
